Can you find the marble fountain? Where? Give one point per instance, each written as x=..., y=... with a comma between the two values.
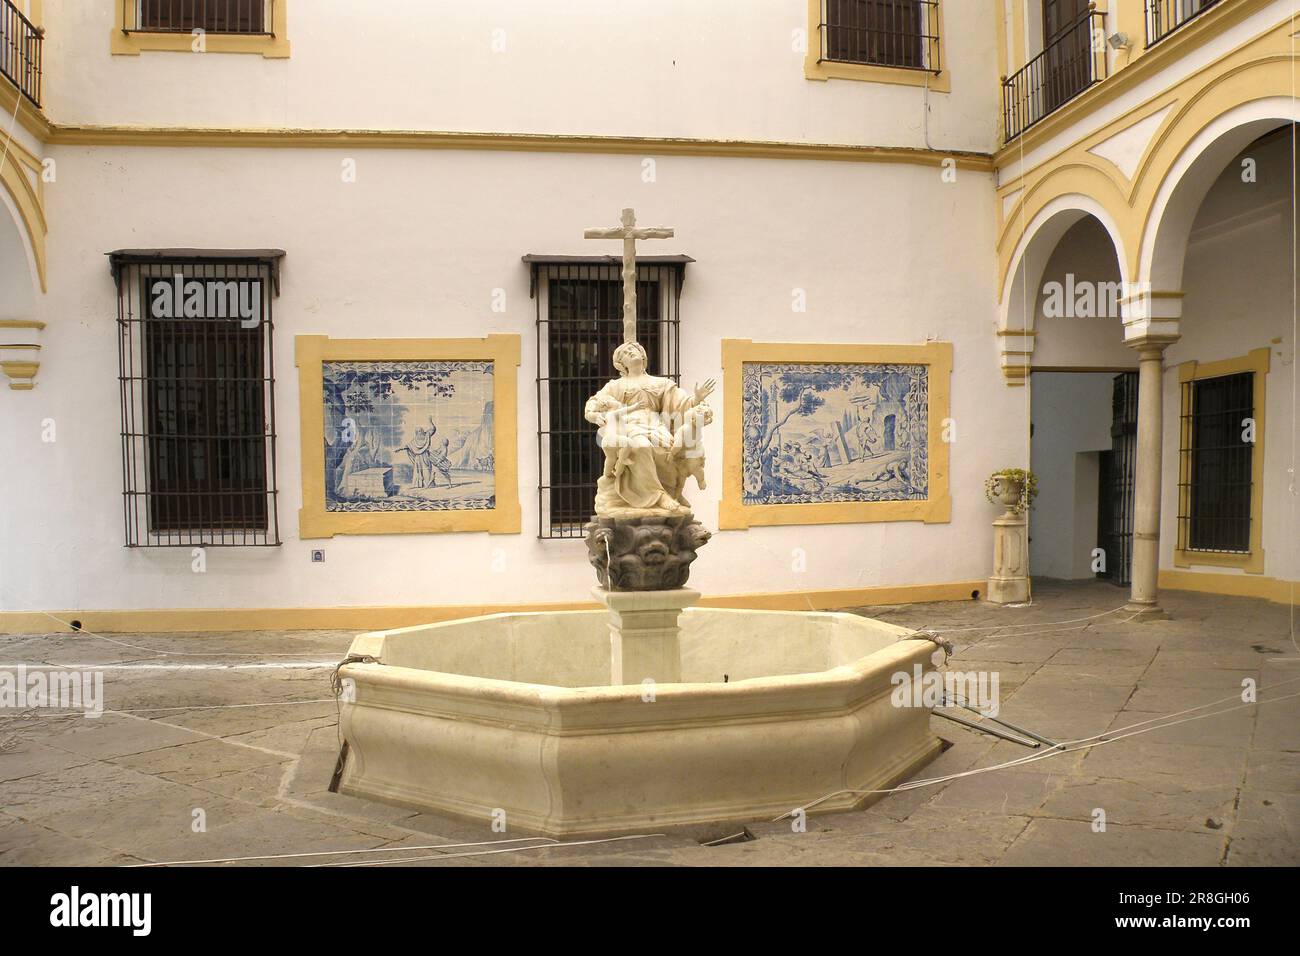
x=648, y=712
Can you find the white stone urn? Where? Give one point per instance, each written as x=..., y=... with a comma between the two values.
x=1007, y=489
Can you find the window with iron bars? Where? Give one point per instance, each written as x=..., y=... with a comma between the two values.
x=898, y=33
x=242, y=17
x=579, y=301
x=197, y=385
x=1215, y=474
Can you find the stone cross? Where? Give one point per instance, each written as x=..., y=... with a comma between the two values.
x=629, y=232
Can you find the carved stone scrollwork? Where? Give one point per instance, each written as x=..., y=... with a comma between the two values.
x=650, y=553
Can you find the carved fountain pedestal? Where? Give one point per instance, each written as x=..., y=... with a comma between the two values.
x=643, y=563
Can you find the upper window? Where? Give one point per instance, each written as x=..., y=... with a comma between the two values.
x=883, y=32
x=198, y=405
x=886, y=41
x=201, y=26
x=1221, y=463
x=213, y=16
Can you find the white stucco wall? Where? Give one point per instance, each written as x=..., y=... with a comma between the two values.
x=718, y=69
x=886, y=254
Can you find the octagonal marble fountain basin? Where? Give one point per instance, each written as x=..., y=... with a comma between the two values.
x=511, y=714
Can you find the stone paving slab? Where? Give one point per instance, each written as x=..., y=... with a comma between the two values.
x=240, y=727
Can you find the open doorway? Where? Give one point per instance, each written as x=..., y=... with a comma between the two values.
x=1083, y=450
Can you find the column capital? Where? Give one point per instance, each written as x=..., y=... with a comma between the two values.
x=1151, y=316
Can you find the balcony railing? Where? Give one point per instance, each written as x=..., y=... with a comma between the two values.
x=20, y=51
x=1166, y=16
x=1074, y=61
x=238, y=17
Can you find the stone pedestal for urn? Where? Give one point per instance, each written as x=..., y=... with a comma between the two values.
x=1010, y=581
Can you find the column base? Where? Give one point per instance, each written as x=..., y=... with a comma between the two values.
x=1142, y=612
x=1008, y=590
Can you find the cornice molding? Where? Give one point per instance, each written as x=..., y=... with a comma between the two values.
x=162, y=136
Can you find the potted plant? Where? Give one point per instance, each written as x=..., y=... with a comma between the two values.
x=1014, y=488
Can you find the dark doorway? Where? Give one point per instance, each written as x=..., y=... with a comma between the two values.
x=1116, y=474
x=1067, y=43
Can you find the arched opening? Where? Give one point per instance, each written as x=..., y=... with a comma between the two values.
x=1226, y=241
x=1082, y=407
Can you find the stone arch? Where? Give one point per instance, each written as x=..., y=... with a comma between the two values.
x=1037, y=242
x=1080, y=179
x=1207, y=147
x=22, y=231
x=17, y=290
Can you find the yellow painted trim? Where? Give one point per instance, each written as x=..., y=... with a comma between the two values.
x=313, y=350
x=814, y=68
x=1197, y=32
x=28, y=199
x=733, y=514
x=21, y=324
x=20, y=374
x=1258, y=69
x=133, y=44
x=1277, y=590
x=1016, y=58
x=367, y=618
x=507, y=142
x=1256, y=361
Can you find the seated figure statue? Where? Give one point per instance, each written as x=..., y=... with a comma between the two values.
x=650, y=430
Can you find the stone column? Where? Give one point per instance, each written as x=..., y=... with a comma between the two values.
x=1150, y=326
x=644, y=638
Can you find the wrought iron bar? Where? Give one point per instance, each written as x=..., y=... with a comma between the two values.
x=1072, y=63
x=1166, y=16
x=20, y=51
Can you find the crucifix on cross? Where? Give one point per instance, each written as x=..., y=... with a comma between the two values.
x=629, y=232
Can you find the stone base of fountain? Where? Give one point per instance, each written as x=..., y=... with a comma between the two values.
x=644, y=552
x=511, y=717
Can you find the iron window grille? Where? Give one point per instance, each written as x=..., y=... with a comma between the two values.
x=1166, y=16
x=197, y=386
x=1215, y=466
x=239, y=17
x=579, y=304
x=1073, y=60
x=20, y=51
x=895, y=33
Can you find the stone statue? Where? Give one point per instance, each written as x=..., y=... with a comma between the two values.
x=643, y=536
x=651, y=432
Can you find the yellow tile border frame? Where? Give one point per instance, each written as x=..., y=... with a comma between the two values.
x=121, y=43
x=1252, y=562
x=815, y=68
x=732, y=514
x=311, y=351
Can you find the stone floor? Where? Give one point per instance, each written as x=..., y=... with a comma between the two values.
x=237, y=732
